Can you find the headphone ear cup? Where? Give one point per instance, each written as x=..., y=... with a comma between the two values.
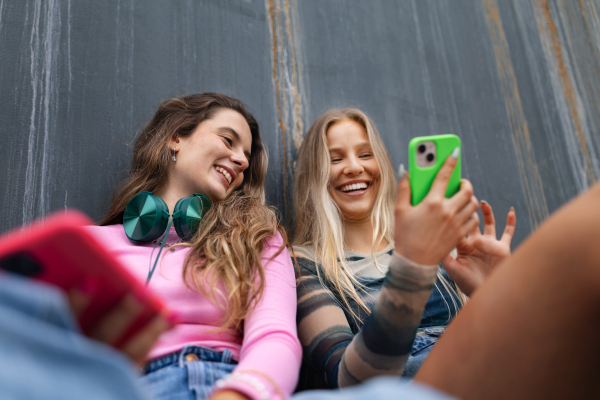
x=188, y=213
x=145, y=217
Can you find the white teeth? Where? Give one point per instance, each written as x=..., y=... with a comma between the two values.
x=354, y=186
x=224, y=173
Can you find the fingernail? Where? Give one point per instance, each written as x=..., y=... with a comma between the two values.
x=483, y=201
x=401, y=171
x=512, y=209
x=455, y=153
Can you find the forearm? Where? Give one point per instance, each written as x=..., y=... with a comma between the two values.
x=383, y=344
x=271, y=353
x=536, y=317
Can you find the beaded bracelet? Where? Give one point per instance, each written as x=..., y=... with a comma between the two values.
x=252, y=380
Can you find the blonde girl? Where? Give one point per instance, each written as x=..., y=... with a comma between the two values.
x=370, y=275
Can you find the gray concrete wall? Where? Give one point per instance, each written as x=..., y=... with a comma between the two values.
x=518, y=80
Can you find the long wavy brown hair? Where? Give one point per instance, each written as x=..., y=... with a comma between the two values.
x=227, y=247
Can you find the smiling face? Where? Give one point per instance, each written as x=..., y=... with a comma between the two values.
x=213, y=158
x=354, y=173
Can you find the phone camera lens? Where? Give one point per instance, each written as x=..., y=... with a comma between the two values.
x=422, y=148
x=430, y=157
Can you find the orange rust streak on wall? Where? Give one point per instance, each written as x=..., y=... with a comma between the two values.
x=531, y=182
x=567, y=85
x=275, y=51
x=297, y=112
x=594, y=70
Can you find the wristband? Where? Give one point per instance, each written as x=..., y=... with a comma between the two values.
x=408, y=269
x=245, y=378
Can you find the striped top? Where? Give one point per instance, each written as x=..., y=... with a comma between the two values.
x=403, y=298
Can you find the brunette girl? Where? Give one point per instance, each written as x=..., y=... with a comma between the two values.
x=231, y=283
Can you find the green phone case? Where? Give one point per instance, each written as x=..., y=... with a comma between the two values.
x=422, y=178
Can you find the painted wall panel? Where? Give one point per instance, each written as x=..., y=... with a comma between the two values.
x=518, y=80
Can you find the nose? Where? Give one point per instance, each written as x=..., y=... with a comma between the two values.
x=353, y=167
x=239, y=159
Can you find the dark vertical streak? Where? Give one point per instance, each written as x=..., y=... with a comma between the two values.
x=531, y=182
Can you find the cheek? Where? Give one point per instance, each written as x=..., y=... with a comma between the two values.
x=334, y=174
x=374, y=169
x=239, y=179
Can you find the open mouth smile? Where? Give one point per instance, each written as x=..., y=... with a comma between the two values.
x=226, y=173
x=354, y=188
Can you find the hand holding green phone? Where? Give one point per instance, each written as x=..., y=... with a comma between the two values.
x=427, y=232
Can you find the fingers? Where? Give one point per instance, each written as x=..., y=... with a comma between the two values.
x=466, y=212
x=117, y=320
x=463, y=196
x=489, y=223
x=440, y=183
x=403, y=187
x=472, y=222
x=509, y=230
x=78, y=300
x=448, y=261
x=475, y=232
x=463, y=247
x=139, y=345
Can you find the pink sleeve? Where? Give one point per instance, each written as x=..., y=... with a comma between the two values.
x=271, y=352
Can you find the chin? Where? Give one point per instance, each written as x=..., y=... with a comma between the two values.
x=356, y=214
x=214, y=194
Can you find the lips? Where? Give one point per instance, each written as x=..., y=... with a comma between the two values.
x=226, y=173
x=354, y=187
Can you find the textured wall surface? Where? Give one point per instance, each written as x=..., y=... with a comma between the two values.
x=518, y=80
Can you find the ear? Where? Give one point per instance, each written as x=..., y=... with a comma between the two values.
x=174, y=144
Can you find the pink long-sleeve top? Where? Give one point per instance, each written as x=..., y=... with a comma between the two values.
x=268, y=354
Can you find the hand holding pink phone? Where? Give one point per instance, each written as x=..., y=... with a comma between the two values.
x=111, y=306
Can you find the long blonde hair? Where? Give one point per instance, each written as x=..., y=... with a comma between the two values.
x=318, y=218
x=227, y=248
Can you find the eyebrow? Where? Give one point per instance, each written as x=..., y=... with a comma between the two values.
x=235, y=135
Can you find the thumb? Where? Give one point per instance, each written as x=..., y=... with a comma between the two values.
x=453, y=268
x=403, y=187
x=448, y=261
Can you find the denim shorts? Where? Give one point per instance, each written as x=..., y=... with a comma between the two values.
x=423, y=344
x=187, y=374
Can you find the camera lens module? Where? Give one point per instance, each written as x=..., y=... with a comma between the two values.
x=422, y=148
x=430, y=157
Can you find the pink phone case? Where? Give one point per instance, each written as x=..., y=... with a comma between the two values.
x=60, y=252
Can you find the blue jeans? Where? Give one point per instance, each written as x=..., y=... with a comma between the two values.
x=44, y=355
x=423, y=344
x=382, y=388
x=187, y=374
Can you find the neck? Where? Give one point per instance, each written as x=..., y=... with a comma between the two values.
x=358, y=236
x=171, y=194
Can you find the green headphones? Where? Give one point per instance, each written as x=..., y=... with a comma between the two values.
x=146, y=218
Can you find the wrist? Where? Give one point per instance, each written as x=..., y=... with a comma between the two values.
x=402, y=265
x=255, y=385
x=414, y=257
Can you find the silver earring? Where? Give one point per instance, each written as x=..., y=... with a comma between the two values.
x=173, y=158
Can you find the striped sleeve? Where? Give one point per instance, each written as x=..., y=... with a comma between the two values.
x=382, y=345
